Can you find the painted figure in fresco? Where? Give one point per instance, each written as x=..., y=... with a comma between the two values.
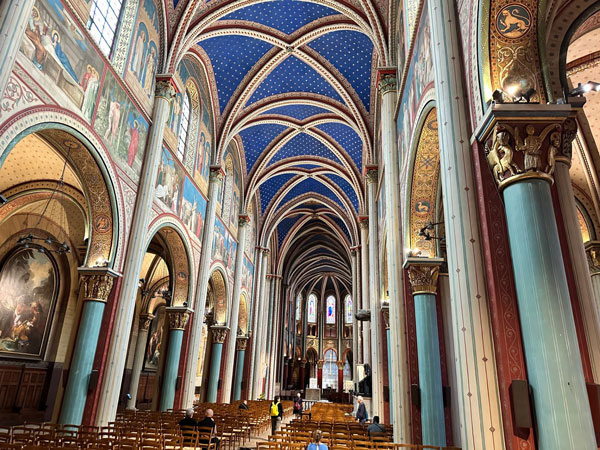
x=114, y=116
x=175, y=198
x=90, y=85
x=62, y=57
x=137, y=62
x=34, y=32
x=200, y=153
x=175, y=113
x=149, y=73
x=134, y=132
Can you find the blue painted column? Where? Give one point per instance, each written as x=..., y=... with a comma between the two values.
x=219, y=333
x=554, y=367
x=97, y=285
x=178, y=318
x=423, y=275
x=242, y=343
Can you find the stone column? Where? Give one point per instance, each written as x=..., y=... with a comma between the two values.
x=320, y=373
x=397, y=368
x=242, y=343
x=355, y=341
x=529, y=138
x=253, y=314
x=275, y=322
x=14, y=17
x=423, y=275
x=340, y=366
x=385, y=312
x=592, y=249
x=259, y=324
x=189, y=378
x=301, y=373
x=138, y=358
x=480, y=411
x=264, y=331
x=219, y=333
x=97, y=285
x=119, y=340
x=372, y=176
x=363, y=223
x=235, y=307
x=566, y=197
x=178, y=318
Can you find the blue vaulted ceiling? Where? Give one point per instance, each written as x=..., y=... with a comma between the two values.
x=299, y=112
x=270, y=187
x=304, y=145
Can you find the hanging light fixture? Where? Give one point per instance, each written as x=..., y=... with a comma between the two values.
x=48, y=243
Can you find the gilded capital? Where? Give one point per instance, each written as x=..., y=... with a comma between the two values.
x=165, y=89
x=178, y=317
x=145, y=321
x=524, y=141
x=320, y=364
x=387, y=81
x=242, y=343
x=340, y=365
x=423, y=274
x=592, y=251
x=97, y=283
x=219, y=333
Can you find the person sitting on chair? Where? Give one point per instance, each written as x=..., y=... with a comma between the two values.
x=316, y=443
x=376, y=429
x=208, y=422
x=187, y=425
x=298, y=404
x=243, y=405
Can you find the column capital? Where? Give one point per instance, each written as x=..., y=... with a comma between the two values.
x=423, y=274
x=372, y=173
x=320, y=363
x=165, y=87
x=340, y=365
x=242, y=343
x=178, y=317
x=363, y=222
x=219, y=333
x=387, y=80
x=523, y=141
x=97, y=283
x=216, y=173
x=385, y=312
x=145, y=321
x=243, y=220
x=592, y=251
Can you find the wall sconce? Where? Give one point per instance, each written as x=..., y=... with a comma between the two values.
x=518, y=96
x=583, y=89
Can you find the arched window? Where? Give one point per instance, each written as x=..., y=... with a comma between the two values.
x=311, y=306
x=330, y=370
x=330, y=303
x=103, y=21
x=184, y=125
x=348, y=309
x=298, y=307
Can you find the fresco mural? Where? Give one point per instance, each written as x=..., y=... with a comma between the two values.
x=28, y=291
x=121, y=126
x=247, y=275
x=419, y=77
x=155, y=340
x=400, y=41
x=250, y=240
x=169, y=183
x=56, y=52
x=202, y=160
x=193, y=208
x=224, y=247
x=143, y=54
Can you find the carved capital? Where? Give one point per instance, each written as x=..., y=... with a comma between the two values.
x=216, y=174
x=385, y=311
x=97, y=283
x=340, y=365
x=320, y=364
x=592, y=251
x=423, y=274
x=243, y=220
x=524, y=141
x=242, y=343
x=145, y=321
x=165, y=89
x=363, y=222
x=219, y=333
x=387, y=81
x=372, y=174
x=178, y=317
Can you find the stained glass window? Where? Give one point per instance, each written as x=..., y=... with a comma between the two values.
x=183, y=131
x=104, y=18
x=298, y=307
x=330, y=309
x=330, y=370
x=312, y=309
x=349, y=311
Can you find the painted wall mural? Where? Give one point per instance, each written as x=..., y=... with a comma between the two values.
x=224, y=247
x=169, y=183
x=155, y=340
x=56, y=53
x=121, y=126
x=193, y=208
x=143, y=54
x=247, y=275
x=28, y=292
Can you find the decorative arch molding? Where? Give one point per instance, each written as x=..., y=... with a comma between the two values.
x=148, y=305
x=218, y=283
x=180, y=260
x=299, y=231
x=94, y=167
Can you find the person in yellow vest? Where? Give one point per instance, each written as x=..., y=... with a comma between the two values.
x=276, y=413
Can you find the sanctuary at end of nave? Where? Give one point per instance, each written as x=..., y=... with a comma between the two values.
x=391, y=203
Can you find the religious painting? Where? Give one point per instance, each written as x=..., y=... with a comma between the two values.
x=224, y=247
x=243, y=316
x=58, y=55
x=247, y=275
x=250, y=244
x=330, y=305
x=400, y=40
x=202, y=160
x=193, y=208
x=155, y=340
x=121, y=126
x=143, y=54
x=28, y=291
x=169, y=182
